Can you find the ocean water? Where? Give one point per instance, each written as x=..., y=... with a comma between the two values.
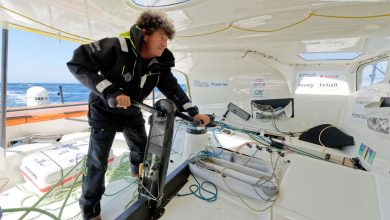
x=72, y=92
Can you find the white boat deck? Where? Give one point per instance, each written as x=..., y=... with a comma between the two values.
x=305, y=182
x=226, y=206
x=120, y=193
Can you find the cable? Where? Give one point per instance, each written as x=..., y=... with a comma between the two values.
x=68, y=195
x=247, y=29
x=30, y=209
x=150, y=173
x=206, y=153
x=251, y=157
x=351, y=17
x=135, y=195
x=319, y=137
x=271, y=116
x=34, y=206
x=272, y=175
x=55, y=162
x=272, y=200
x=150, y=195
x=310, y=15
x=121, y=172
x=264, y=140
x=267, y=141
x=207, y=33
x=277, y=29
x=266, y=109
x=113, y=174
x=46, y=25
x=242, y=199
x=117, y=173
x=230, y=25
x=53, y=187
x=196, y=190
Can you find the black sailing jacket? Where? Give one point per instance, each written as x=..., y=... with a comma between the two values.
x=112, y=66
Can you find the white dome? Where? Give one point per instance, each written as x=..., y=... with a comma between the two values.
x=36, y=96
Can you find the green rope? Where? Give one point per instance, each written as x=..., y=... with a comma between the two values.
x=52, y=188
x=68, y=195
x=121, y=172
x=31, y=209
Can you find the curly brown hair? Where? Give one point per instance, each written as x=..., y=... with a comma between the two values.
x=153, y=20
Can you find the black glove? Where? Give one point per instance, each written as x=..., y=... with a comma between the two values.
x=193, y=111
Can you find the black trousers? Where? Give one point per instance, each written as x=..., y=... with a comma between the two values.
x=100, y=143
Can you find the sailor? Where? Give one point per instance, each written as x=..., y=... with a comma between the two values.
x=125, y=69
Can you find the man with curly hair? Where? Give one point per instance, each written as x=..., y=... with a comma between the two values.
x=124, y=69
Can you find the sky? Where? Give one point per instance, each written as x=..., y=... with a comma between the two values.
x=33, y=58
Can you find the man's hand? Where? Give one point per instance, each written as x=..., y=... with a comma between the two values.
x=203, y=118
x=123, y=101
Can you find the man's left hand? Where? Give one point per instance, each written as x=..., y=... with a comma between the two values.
x=203, y=118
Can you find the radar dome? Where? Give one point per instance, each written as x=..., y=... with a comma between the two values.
x=37, y=96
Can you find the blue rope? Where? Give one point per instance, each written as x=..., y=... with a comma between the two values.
x=196, y=190
x=205, y=153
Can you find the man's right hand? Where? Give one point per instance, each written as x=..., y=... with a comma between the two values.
x=123, y=101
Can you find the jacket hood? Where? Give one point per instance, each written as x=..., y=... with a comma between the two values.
x=136, y=39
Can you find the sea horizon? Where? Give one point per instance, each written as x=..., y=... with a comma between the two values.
x=72, y=92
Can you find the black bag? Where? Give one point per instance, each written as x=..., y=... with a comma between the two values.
x=328, y=136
